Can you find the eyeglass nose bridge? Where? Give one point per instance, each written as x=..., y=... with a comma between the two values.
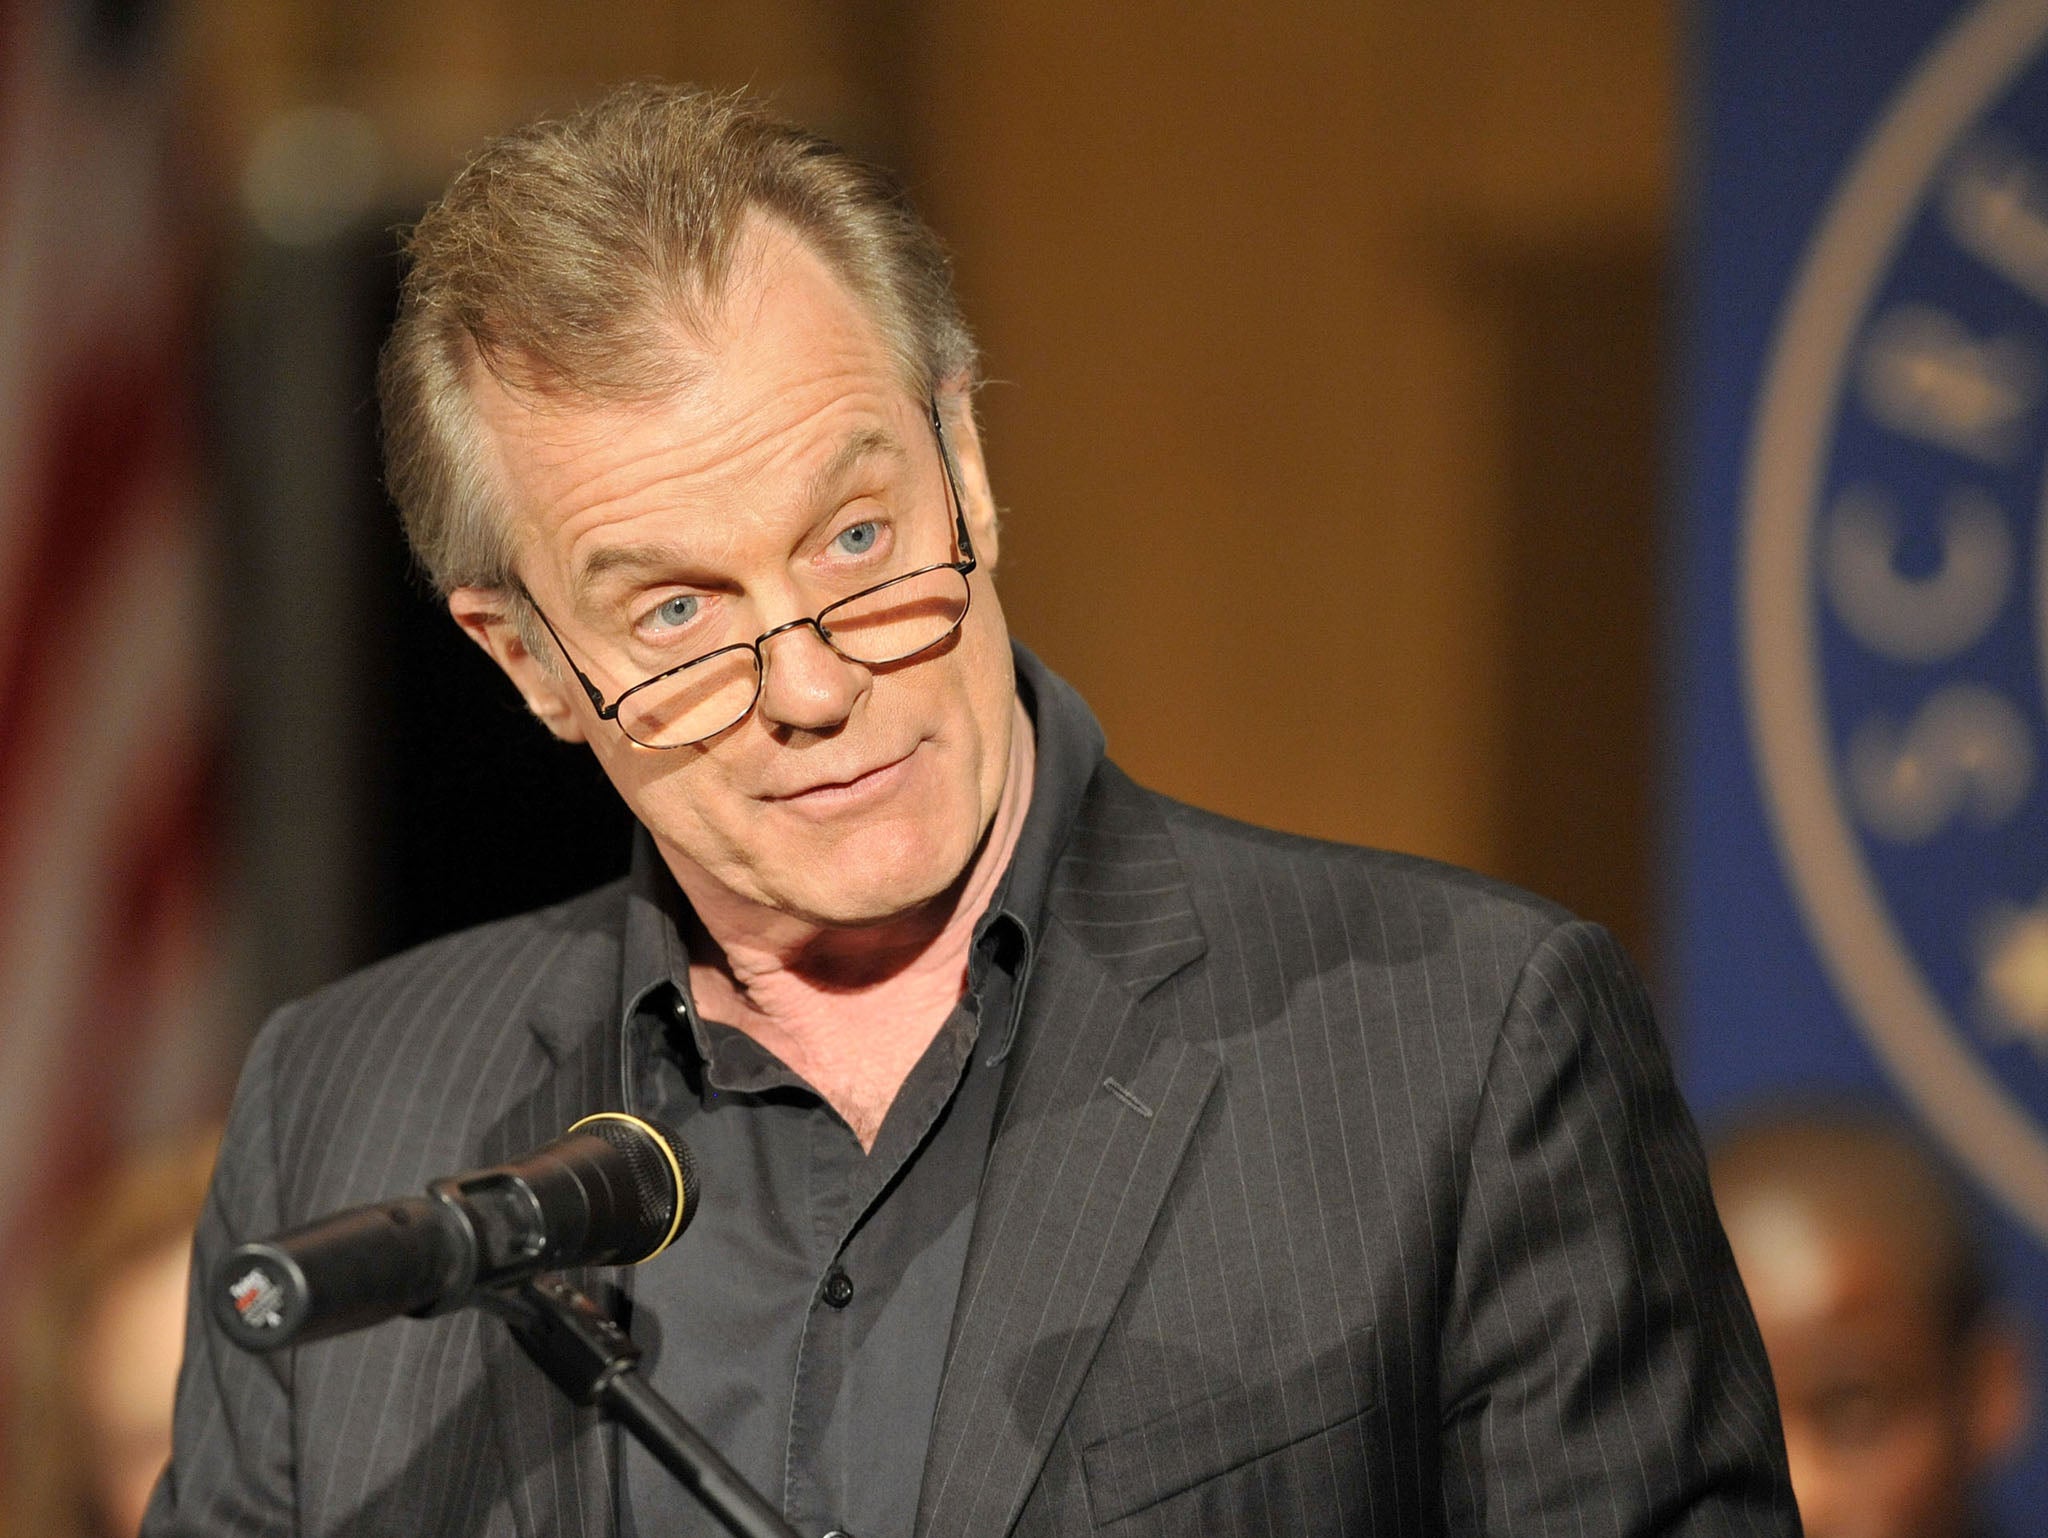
x=811, y=622
x=808, y=622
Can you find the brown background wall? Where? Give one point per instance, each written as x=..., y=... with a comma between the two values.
x=1325, y=343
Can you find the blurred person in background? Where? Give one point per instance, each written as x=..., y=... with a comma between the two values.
x=98, y=1349
x=1899, y=1379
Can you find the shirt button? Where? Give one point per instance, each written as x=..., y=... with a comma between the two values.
x=838, y=1289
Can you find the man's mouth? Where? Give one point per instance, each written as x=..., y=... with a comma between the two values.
x=824, y=794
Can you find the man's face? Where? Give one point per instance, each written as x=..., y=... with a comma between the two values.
x=1883, y=1418
x=796, y=466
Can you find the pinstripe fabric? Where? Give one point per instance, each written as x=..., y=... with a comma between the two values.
x=1332, y=1192
x=1412, y=1234
x=471, y=1050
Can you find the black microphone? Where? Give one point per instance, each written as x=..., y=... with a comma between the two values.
x=612, y=1190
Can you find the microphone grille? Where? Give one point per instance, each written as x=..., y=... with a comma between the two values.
x=662, y=1172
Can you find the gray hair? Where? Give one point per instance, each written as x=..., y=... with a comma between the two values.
x=568, y=254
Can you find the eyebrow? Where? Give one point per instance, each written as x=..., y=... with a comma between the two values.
x=868, y=443
x=823, y=484
x=631, y=560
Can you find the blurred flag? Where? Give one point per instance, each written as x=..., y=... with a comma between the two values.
x=110, y=1024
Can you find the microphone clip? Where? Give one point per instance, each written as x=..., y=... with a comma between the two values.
x=571, y=1339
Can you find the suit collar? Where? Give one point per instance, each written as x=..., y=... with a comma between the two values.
x=1113, y=876
x=1120, y=889
x=561, y=1011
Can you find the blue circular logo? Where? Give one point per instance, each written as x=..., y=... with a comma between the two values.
x=1895, y=631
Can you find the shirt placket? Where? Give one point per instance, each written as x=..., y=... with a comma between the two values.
x=847, y=1186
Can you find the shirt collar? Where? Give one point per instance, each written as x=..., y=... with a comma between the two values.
x=1070, y=746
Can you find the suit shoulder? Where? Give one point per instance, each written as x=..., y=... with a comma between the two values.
x=494, y=970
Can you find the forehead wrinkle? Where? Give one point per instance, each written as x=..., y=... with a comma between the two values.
x=820, y=487
x=863, y=444
x=712, y=461
x=558, y=434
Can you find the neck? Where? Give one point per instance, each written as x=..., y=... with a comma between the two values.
x=852, y=1010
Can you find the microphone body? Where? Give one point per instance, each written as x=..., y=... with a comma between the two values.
x=613, y=1190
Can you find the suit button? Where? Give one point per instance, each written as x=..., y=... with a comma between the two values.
x=838, y=1289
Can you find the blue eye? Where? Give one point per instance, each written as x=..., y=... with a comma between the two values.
x=859, y=539
x=679, y=610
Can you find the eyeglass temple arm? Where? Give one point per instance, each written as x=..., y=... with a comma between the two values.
x=604, y=712
x=968, y=560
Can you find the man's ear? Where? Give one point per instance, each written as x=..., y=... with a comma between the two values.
x=963, y=441
x=485, y=615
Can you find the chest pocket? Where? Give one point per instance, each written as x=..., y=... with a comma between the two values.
x=1235, y=1433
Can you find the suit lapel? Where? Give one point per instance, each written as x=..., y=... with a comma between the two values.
x=560, y=1460
x=1099, y=1106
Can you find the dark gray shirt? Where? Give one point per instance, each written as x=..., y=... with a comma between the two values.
x=801, y=1323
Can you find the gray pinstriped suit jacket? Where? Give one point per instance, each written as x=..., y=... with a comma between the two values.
x=1332, y=1192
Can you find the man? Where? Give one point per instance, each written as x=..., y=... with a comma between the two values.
x=1898, y=1381
x=1074, y=1160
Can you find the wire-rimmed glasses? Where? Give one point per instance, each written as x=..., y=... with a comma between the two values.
x=891, y=622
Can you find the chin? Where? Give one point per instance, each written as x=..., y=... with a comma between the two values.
x=864, y=904
x=858, y=888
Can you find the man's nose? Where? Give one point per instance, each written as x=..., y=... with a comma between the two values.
x=805, y=685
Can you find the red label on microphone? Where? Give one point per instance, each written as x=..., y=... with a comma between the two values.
x=258, y=1300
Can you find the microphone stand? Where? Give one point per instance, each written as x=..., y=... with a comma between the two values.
x=594, y=1362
